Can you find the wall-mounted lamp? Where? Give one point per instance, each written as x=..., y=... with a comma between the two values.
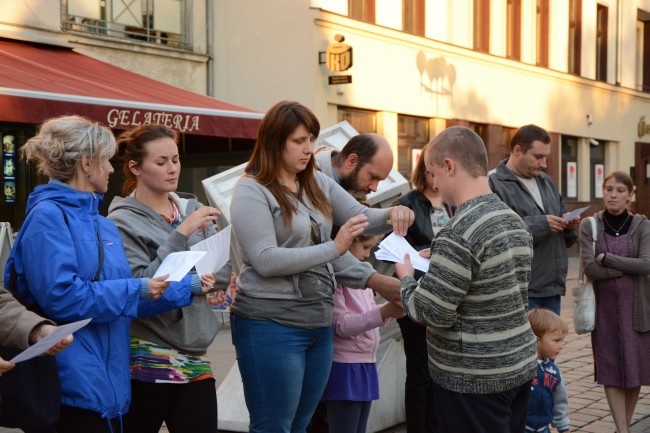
x=589, y=120
x=594, y=142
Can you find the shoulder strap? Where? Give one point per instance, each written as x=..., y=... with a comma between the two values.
x=12, y=284
x=594, y=231
x=594, y=237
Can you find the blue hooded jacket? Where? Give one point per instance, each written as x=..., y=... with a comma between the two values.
x=54, y=258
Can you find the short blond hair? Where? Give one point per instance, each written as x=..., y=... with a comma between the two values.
x=543, y=320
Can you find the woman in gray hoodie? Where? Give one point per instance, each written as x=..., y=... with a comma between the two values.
x=171, y=377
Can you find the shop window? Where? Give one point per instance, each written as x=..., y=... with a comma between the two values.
x=597, y=168
x=480, y=129
x=18, y=179
x=507, y=134
x=569, y=171
x=364, y=121
x=412, y=136
x=160, y=22
x=9, y=166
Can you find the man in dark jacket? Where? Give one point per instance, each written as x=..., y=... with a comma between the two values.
x=520, y=181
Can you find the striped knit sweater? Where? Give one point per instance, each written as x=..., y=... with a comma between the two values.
x=473, y=300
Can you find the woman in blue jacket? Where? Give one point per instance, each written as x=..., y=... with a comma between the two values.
x=69, y=263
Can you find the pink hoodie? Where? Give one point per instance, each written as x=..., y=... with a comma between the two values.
x=356, y=319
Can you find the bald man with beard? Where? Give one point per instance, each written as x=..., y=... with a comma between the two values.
x=366, y=160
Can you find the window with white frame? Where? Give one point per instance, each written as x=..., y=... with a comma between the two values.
x=159, y=22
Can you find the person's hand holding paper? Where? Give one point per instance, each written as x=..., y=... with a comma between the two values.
x=217, y=248
x=179, y=264
x=570, y=216
x=56, y=335
x=394, y=247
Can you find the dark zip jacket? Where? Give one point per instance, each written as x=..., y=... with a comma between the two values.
x=550, y=258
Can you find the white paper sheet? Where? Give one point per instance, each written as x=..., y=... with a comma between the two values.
x=178, y=264
x=575, y=213
x=58, y=334
x=217, y=248
x=393, y=248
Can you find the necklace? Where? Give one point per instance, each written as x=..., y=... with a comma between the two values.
x=171, y=208
x=612, y=228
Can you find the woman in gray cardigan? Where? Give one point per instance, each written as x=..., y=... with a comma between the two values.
x=282, y=211
x=171, y=378
x=619, y=269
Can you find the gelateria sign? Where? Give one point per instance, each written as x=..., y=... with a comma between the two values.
x=126, y=118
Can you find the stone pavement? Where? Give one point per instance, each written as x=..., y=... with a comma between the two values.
x=588, y=408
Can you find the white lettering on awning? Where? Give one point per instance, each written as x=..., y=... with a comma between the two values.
x=128, y=118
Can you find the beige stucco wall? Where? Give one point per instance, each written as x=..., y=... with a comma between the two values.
x=396, y=73
x=264, y=52
x=41, y=20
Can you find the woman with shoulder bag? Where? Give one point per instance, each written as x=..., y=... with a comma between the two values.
x=619, y=271
x=69, y=263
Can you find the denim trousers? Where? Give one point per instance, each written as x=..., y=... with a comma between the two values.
x=552, y=303
x=284, y=371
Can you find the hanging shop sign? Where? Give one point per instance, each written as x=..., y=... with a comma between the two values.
x=338, y=58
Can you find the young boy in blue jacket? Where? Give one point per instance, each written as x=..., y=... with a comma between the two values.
x=548, y=402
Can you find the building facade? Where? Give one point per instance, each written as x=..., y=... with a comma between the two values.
x=409, y=68
x=403, y=68
x=121, y=63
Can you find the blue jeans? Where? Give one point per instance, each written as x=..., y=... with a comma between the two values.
x=284, y=371
x=549, y=302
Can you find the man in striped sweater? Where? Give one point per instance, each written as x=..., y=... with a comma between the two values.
x=473, y=298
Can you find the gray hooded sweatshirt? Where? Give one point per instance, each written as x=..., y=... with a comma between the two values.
x=148, y=239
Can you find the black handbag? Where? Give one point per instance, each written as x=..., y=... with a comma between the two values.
x=30, y=393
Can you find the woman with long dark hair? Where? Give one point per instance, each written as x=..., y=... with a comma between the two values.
x=282, y=211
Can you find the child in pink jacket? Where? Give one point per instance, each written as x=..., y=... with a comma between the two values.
x=353, y=381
